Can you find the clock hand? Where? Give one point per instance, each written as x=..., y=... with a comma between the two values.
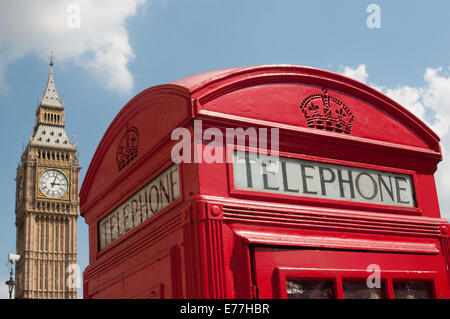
x=54, y=180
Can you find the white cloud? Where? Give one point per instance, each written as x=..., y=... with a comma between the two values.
x=100, y=44
x=430, y=103
x=409, y=97
x=359, y=73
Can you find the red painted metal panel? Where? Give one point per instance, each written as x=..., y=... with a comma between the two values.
x=267, y=238
x=280, y=104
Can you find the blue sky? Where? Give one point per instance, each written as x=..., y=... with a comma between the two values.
x=123, y=47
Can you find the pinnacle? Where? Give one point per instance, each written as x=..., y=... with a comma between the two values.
x=50, y=97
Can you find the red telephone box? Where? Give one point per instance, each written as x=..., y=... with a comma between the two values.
x=293, y=182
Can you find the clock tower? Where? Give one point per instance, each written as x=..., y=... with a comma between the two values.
x=47, y=204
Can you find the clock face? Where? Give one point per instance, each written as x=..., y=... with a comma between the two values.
x=20, y=189
x=53, y=183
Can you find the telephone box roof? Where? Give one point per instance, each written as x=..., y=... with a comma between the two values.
x=212, y=80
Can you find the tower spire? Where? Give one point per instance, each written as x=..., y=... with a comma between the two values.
x=49, y=130
x=52, y=58
x=50, y=97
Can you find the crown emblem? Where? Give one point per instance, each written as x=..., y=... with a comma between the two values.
x=127, y=149
x=327, y=113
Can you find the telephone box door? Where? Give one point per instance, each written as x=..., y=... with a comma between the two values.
x=329, y=274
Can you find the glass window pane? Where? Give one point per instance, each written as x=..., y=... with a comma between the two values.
x=309, y=289
x=359, y=290
x=412, y=289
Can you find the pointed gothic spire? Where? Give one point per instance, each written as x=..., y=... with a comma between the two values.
x=51, y=98
x=49, y=130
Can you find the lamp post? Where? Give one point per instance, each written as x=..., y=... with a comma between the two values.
x=11, y=282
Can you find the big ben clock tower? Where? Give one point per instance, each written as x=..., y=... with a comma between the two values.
x=47, y=204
